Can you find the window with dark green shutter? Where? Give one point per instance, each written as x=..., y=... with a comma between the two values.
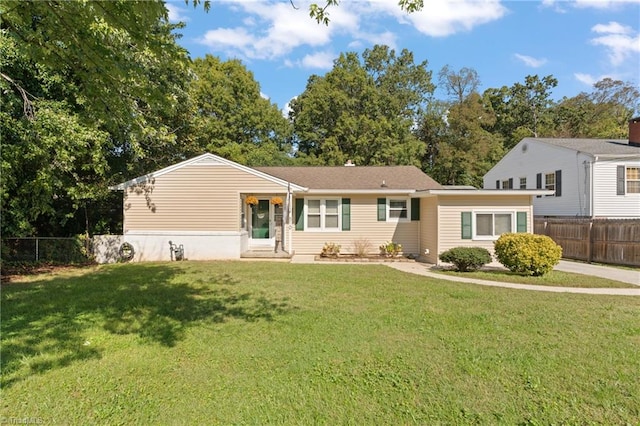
x=521, y=222
x=382, y=209
x=415, y=209
x=558, y=183
x=299, y=214
x=467, y=230
x=346, y=214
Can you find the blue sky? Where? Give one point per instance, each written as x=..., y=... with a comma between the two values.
x=579, y=42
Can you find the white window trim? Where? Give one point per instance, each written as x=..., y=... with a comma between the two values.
x=323, y=213
x=398, y=219
x=520, y=182
x=627, y=180
x=544, y=184
x=475, y=236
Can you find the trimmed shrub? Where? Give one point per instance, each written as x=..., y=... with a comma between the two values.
x=466, y=259
x=527, y=254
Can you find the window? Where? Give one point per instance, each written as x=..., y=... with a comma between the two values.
x=633, y=180
x=491, y=225
x=505, y=184
x=523, y=183
x=398, y=210
x=323, y=214
x=550, y=181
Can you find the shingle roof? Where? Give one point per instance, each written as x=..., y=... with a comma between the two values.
x=355, y=177
x=594, y=146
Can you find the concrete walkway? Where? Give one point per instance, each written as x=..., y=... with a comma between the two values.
x=624, y=275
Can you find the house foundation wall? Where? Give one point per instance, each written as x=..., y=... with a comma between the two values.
x=150, y=246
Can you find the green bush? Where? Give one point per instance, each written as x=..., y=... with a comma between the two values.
x=527, y=254
x=466, y=259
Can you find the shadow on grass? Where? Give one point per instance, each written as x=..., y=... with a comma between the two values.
x=45, y=323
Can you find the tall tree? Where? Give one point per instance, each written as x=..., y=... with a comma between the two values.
x=459, y=85
x=363, y=111
x=604, y=113
x=85, y=88
x=232, y=119
x=523, y=109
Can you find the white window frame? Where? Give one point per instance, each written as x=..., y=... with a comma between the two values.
x=627, y=180
x=407, y=201
x=493, y=235
x=523, y=182
x=551, y=187
x=323, y=214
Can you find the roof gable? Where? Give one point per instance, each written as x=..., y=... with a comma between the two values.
x=204, y=160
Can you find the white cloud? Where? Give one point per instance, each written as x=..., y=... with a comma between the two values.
x=603, y=4
x=176, y=14
x=320, y=60
x=587, y=79
x=444, y=18
x=618, y=40
x=531, y=61
x=612, y=27
x=590, y=80
x=274, y=29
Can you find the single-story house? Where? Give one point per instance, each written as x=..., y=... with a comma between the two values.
x=218, y=209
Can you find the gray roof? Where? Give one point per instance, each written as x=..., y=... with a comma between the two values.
x=355, y=177
x=593, y=146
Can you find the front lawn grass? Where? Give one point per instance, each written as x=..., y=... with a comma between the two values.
x=265, y=343
x=553, y=278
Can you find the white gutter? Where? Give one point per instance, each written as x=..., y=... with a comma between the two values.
x=481, y=192
x=361, y=191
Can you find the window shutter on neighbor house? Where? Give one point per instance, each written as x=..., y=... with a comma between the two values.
x=299, y=214
x=346, y=214
x=558, y=183
x=521, y=222
x=382, y=209
x=539, y=183
x=510, y=183
x=415, y=209
x=466, y=225
x=497, y=184
x=620, y=172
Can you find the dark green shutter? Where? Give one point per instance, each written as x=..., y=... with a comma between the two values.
x=510, y=183
x=620, y=175
x=382, y=209
x=415, y=209
x=539, y=183
x=467, y=230
x=299, y=214
x=346, y=214
x=497, y=184
x=558, y=183
x=521, y=222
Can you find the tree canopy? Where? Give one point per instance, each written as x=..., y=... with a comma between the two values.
x=363, y=110
x=95, y=93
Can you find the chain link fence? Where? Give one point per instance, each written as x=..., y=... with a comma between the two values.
x=46, y=249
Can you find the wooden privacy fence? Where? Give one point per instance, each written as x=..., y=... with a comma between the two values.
x=615, y=241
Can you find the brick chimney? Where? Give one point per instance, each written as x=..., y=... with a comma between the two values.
x=634, y=132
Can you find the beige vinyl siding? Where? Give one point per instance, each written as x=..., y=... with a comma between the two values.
x=429, y=229
x=192, y=198
x=364, y=225
x=451, y=207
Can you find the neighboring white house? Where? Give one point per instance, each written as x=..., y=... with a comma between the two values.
x=590, y=177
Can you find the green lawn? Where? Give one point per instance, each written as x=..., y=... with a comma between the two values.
x=264, y=343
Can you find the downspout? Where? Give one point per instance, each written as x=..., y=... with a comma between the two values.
x=591, y=209
x=289, y=242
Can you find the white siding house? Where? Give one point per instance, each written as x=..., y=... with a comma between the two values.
x=589, y=177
